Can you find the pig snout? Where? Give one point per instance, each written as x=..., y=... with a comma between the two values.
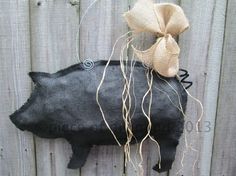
x=22, y=118
x=25, y=117
x=18, y=120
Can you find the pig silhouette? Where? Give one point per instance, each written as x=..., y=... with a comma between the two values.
x=63, y=105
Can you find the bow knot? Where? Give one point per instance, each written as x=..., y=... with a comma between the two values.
x=165, y=20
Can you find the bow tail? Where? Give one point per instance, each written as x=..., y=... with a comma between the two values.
x=146, y=56
x=163, y=56
x=166, y=57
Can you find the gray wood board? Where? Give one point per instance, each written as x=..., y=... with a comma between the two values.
x=17, y=154
x=223, y=160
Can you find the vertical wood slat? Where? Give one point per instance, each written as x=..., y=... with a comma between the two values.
x=53, y=33
x=100, y=29
x=223, y=160
x=201, y=48
x=16, y=147
x=212, y=85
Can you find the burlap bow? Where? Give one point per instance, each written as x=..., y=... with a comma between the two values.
x=165, y=20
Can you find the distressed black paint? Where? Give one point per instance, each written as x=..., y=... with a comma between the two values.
x=63, y=105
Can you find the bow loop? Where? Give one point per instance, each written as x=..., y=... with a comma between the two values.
x=164, y=20
x=171, y=18
x=142, y=17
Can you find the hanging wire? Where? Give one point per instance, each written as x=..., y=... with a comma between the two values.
x=86, y=61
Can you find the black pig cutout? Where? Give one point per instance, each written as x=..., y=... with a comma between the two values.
x=63, y=105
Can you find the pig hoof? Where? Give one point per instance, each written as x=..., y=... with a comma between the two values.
x=80, y=154
x=164, y=167
x=75, y=164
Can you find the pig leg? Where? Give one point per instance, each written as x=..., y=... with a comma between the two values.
x=168, y=150
x=78, y=159
x=167, y=135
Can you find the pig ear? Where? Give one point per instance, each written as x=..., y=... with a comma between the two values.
x=38, y=77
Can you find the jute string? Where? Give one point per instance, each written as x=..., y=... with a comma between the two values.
x=100, y=84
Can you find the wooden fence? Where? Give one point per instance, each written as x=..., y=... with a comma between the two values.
x=40, y=35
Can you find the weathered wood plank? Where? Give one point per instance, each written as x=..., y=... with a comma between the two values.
x=212, y=85
x=17, y=153
x=99, y=31
x=224, y=161
x=53, y=33
x=201, y=48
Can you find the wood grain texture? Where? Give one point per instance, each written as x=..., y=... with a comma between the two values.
x=212, y=86
x=53, y=33
x=99, y=31
x=17, y=156
x=224, y=161
x=201, y=49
